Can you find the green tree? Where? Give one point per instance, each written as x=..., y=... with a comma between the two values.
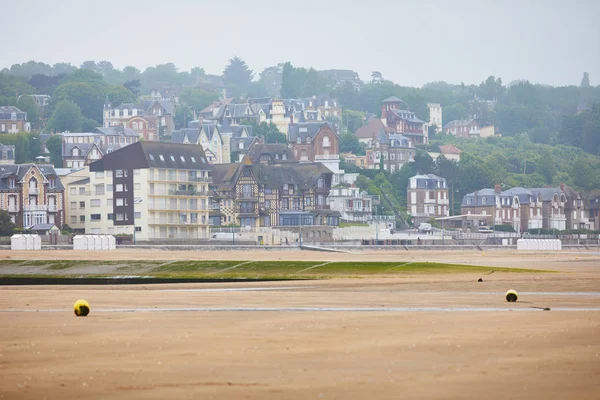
x=197, y=98
x=546, y=167
x=27, y=104
x=89, y=97
x=349, y=143
x=238, y=75
x=118, y=95
x=353, y=119
x=183, y=115
x=7, y=227
x=347, y=95
x=423, y=163
x=584, y=176
x=291, y=85
x=54, y=146
x=133, y=86
x=66, y=117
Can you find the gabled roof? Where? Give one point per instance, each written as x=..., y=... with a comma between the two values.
x=304, y=175
x=370, y=130
x=167, y=105
x=392, y=99
x=115, y=131
x=450, y=149
x=258, y=150
x=306, y=129
x=406, y=115
x=20, y=170
x=459, y=123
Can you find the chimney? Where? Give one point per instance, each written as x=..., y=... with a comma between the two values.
x=497, y=188
x=562, y=187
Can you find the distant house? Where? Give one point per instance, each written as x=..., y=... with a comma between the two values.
x=463, y=128
x=403, y=121
x=32, y=194
x=427, y=197
x=391, y=150
x=449, y=151
x=81, y=148
x=149, y=119
x=219, y=141
x=13, y=120
x=314, y=141
x=287, y=195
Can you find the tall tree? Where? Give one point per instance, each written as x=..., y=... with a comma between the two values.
x=27, y=104
x=54, y=146
x=66, y=117
x=7, y=227
x=118, y=94
x=585, y=81
x=197, y=98
x=349, y=143
x=237, y=75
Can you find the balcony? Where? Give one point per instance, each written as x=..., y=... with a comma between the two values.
x=186, y=193
x=36, y=208
x=167, y=221
x=206, y=179
x=320, y=157
x=34, y=190
x=247, y=196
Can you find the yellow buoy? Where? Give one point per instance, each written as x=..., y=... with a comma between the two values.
x=512, y=296
x=81, y=308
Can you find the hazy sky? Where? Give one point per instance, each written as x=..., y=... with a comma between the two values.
x=410, y=42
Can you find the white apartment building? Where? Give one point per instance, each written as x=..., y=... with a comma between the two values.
x=157, y=190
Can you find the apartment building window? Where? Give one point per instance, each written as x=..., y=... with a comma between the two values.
x=109, y=188
x=110, y=217
x=95, y=217
x=73, y=205
x=109, y=202
x=137, y=215
x=82, y=204
x=121, y=202
x=99, y=190
x=120, y=217
x=121, y=187
x=99, y=174
x=82, y=218
x=82, y=191
x=73, y=219
x=95, y=203
x=138, y=228
x=137, y=186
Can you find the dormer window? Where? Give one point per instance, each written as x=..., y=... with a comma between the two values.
x=308, y=140
x=298, y=140
x=51, y=183
x=75, y=152
x=161, y=157
x=241, y=145
x=11, y=183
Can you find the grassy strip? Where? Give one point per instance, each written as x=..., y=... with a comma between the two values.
x=217, y=271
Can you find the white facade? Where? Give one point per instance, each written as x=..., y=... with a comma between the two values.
x=435, y=116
